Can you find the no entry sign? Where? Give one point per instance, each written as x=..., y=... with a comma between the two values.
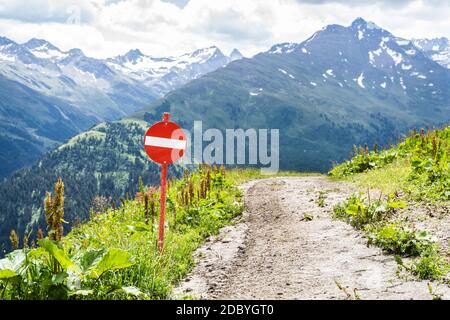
x=164, y=143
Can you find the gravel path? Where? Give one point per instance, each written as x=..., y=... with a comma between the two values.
x=273, y=252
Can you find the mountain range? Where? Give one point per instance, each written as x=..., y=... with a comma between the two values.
x=49, y=95
x=436, y=49
x=344, y=85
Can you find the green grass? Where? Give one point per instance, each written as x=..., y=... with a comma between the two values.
x=419, y=166
x=115, y=255
x=188, y=223
x=198, y=205
x=389, y=179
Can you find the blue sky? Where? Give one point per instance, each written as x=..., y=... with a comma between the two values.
x=104, y=28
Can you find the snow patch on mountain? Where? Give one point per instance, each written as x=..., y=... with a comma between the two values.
x=437, y=49
x=360, y=35
x=7, y=57
x=406, y=66
x=402, y=42
x=360, y=80
x=402, y=83
x=396, y=56
x=283, y=48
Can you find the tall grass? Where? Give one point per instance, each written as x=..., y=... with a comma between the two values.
x=420, y=166
x=125, y=240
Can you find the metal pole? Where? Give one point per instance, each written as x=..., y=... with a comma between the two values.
x=162, y=210
x=162, y=204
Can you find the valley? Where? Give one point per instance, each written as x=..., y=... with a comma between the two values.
x=79, y=91
x=356, y=103
x=343, y=86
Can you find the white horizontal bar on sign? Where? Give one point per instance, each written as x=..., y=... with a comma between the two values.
x=165, y=142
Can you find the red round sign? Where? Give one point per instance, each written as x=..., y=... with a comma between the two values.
x=165, y=142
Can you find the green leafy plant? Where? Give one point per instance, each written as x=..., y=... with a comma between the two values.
x=115, y=256
x=400, y=239
x=430, y=266
x=360, y=211
x=49, y=272
x=396, y=237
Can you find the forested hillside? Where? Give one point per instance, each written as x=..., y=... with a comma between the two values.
x=105, y=161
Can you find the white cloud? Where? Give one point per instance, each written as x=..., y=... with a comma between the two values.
x=105, y=28
x=42, y=11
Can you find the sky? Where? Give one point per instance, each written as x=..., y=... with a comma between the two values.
x=105, y=28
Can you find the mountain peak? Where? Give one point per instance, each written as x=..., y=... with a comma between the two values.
x=39, y=43
x=134, y=54
x=428, y=44
x=76, y=52
x=437, y=49
x=5, y=41
x=235, y=55
x=209, y=49
x=207, y=53
x=358, y=22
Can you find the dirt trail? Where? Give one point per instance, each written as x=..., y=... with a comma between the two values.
x=273, y=252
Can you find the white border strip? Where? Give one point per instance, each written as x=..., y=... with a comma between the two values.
x=165, y=143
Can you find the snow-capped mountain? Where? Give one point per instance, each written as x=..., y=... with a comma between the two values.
x=44, y=49
x=344, y=85
x=11, y=51
x=106, y=89
x=366, y=56
x=60, y=93
x=167, y=73
x=86, y=83
x=437, y=49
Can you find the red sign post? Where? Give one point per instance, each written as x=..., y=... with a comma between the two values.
x=164, y=143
